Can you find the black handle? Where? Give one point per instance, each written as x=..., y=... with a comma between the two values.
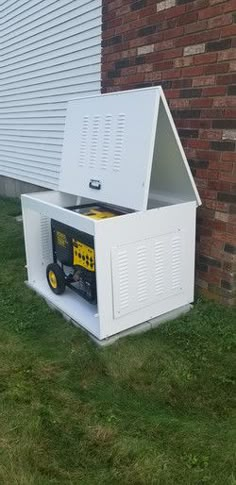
x=95, y=184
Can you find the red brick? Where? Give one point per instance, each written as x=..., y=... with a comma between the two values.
x=203, y=124
x=211, y=134
x=228, y=178
x=153, y=76
x=173, y=33
x=230, y=113
x=172, y=94
x=171, y=12
x=204, y=81
x=138, y=42
x=192, y=71
x=226, y=79
x=214, y=276
x=231, y=228
x=172, y=74
x=211, y=12
x=114, y=4
x=230, y=6
x=162, y=66
x=196, y=27
x=197, y=5
x=149, y=10
x=122, y=10
x=188, y=18
x=166, y=44
x=207, y=58
x=214, y=91
x=211, y=35
x=201, y=173
x=232, y=219
x=201, y=144
x=215, y=2
x=188, y=40
x=127, y=71
x=208, y=155
x=183, y=61
x=227, y=54
x=228, y=31
x=208, y=194
x=179, y=103
x=224, y=102
x=222, y=206
x=136, y=78
x=121, y=29
x=219, y=21
x=221, y=166
x=211, y=204
x=201, y=183
x=216, y=68
x=228, y=156
x=213, y=175
x=219, y=185
x=145, y=68
x=173, y=53
x=212, y=113
x=112, y=23
x=201, y=103
x=232, y=66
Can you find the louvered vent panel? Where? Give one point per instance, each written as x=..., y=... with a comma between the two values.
x=96, y=124
x=146, y=272
x=106, y=142
x=176, y=262
x=142, y=273
x=100, y=146
x=84, y=141
x=119, y=142
x=46, y=244
x=123, y=279
x=159, y=267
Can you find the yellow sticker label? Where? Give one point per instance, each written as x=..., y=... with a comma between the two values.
x=61, y=239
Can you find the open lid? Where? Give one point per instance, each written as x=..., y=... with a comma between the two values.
x=118, y=147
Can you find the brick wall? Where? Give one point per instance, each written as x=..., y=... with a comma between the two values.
x=188, y=47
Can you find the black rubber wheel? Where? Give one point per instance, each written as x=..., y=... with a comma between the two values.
x=56, y=278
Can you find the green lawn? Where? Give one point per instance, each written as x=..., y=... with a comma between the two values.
x=151, y=409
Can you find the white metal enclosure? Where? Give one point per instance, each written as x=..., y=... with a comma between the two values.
x=50, y=52
x=144, y=258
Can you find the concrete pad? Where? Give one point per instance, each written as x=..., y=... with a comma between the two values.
x=141, y=328
x=144, y=327
x=155, y=322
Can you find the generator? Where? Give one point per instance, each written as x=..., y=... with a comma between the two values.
x=73, y=263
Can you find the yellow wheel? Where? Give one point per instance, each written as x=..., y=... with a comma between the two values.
x=56, y=278
x=52, y=279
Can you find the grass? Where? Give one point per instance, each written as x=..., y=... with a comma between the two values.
x=156, y=408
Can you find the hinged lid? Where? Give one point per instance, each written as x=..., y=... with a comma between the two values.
x=119, y=146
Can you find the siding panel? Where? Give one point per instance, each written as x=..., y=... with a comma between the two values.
x=50, y=52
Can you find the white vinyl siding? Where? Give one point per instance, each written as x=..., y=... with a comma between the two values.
x=50, y=52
